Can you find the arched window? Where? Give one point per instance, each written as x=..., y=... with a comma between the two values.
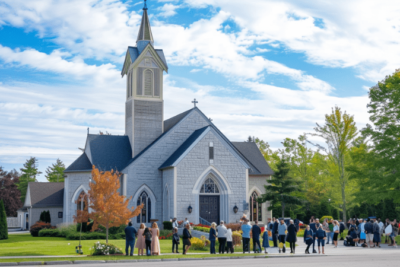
x=145, y=215
x=256, y=211
x=148, y=83
x=209, y=187
x=81, y=202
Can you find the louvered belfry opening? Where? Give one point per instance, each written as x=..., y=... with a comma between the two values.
x=148, y=82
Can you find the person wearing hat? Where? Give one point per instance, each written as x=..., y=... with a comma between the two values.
x=221, y=229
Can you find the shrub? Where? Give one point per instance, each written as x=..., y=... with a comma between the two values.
x=88, y=236
x=167, y=225
x=49, y=233
x=66, y=230
x=3, y=222
x=203, y=229
x=236, y=238
x=203, y=225
x=165, y=234
x=233, y=226
x=39, y=226
x=300, y=233
x=105, y=249
x=197, y=244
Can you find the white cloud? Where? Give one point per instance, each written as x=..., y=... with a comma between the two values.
x=360, y=34
x=168, y=10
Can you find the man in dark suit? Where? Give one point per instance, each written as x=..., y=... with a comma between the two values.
x=130, y=235
x=256, y=231
x=314, y=225
x=275, y=232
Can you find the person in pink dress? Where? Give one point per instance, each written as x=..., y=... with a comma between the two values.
x=155, y=244
x=140, y=243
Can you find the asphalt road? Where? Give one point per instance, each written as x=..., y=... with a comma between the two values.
x=384, y=260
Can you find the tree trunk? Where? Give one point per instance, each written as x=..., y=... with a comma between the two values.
x=107, y=234
x=344, y=204
x=283, y=210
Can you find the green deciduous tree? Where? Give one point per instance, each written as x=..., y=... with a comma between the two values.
x=339, y=132
x=29, y=173
x=55, y=172
x=384, y=108
x=272, y=157
x=281, y=189
x=3, y=222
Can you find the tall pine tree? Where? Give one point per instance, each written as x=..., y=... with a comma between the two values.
x=55, y=172
x=29, y=173
x=281, y=188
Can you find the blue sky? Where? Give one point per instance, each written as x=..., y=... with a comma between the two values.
x=264, y=68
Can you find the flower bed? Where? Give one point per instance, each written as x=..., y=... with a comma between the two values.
x=202, y=225
x=202, y=229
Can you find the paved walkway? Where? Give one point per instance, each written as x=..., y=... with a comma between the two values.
x=300, y=249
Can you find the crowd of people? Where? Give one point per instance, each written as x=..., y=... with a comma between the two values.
x=362, y=232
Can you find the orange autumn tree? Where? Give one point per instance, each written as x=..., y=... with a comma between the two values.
x=82, y=214
x=107, y=207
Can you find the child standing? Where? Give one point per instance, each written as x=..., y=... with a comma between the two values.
x=175, y=240
x=147, y=237
x=265, y=243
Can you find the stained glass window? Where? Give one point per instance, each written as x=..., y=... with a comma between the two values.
x=256, y=210
x=145, y=215
x=209, y=187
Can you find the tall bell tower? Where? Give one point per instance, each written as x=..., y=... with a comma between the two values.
x=144, y=68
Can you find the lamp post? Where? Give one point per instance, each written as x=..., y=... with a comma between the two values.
x=190, y=209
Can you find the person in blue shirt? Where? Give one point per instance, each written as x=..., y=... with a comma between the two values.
x=321, y=236
x=130, y=236
x=246, y=229
x=212, y=237
x=282, y=234
x=256, y=232
x=314, y=225
x=352, y=237
x=308, y=238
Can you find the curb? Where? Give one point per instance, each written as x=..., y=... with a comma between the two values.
x=189, y=259
x=169, y=259
x=30, y=263
x=8, y=264
x=88, y=262
x=57, y=262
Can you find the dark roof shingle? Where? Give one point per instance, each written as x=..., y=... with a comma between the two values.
x=110, y=151
x=46, y=194
x=251, y=152
x=171, y=122
x=80, y=164
x=191, y=139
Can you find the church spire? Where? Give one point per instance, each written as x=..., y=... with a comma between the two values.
x=145, y=29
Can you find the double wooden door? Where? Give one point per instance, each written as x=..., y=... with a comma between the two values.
x=209, y=208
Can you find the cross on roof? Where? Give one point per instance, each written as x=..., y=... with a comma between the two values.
x=145, y=5
x=195, y=102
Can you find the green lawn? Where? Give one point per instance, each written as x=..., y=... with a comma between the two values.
x=26, y=245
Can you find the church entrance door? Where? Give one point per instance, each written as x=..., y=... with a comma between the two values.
x=209, y=208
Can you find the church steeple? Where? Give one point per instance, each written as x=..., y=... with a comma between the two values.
x=145, y=34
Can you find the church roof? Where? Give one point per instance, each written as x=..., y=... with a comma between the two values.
x=80, y=164
x=134, y=53
x=181, y=150
x=45, y=194
x=145, y=29
x=168, y=124
x=106, y=152
x=253, y=154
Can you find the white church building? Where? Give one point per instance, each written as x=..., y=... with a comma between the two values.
x=182, y=167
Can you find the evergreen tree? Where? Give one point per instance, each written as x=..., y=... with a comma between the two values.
x=281, y=188
x=3, y=222
x=55, y=172
x=42, y=219
x=48, y=218
x=29, y=173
